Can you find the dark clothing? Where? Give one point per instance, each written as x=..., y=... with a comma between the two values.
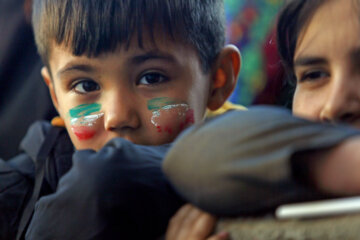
x=243, y=161
x=24, y=96
x=119, y=191
x=17, y=175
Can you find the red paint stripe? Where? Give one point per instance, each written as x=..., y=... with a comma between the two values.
x=82, y=132
x=190, y=117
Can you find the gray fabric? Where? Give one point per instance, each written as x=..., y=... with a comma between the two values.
x=240, y=163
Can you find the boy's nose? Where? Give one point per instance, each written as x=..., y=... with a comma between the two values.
x=120, y=114
x=342, y=103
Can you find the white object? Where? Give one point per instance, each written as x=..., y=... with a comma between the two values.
x=319, y=208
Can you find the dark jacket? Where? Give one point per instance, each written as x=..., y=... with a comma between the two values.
x=17, y=175
x=119, y=191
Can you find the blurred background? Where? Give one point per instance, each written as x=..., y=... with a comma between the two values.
x=24, y=97
x=250, y=26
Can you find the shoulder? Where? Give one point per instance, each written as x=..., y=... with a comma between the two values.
x=36, y=137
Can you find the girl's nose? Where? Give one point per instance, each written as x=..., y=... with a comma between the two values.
x=342, y=103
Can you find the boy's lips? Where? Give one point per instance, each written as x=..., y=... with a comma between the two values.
x=83, y=132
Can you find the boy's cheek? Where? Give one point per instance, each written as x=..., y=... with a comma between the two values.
x=87, y=137
x=83, y=132
x=84, y=120
x=172, y=119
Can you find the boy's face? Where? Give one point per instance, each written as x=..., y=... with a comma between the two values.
x=147, y=96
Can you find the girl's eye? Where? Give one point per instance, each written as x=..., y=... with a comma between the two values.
x=86, y=86
x=152, y=78
x=313, y=76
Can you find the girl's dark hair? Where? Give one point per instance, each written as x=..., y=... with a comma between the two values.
x=92, y=27
x=292, y=20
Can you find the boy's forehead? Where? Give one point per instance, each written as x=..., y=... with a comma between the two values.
x=160, y=47
x=146, y=39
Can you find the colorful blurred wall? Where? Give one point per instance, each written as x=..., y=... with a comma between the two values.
x=248, y=24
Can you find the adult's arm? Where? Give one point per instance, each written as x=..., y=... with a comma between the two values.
x=118, y=192
x=246, y=162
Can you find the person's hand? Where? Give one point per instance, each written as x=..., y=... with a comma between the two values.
x=336, y=170
x=190, y=223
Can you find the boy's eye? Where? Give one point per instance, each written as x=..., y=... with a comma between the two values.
x=152, y=78
x=86, y=86
x=313, y=76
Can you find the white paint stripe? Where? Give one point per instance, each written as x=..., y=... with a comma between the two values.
x=87, y=121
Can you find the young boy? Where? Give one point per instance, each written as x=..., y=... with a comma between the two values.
x=134, y=71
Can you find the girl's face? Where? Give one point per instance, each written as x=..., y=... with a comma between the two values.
x=327, y=65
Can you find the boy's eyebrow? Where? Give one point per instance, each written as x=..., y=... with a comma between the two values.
x=75, y=67
x=308, y=61
x=150, y=56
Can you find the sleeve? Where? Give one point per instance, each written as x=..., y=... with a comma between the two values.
x=16, y=183
x=118, y=192
x=241, y=162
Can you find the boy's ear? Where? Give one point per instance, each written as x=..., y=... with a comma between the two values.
x=47, y=79
x=224, y=77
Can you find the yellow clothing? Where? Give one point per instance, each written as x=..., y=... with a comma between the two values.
x=58, y=122
x=224, y=108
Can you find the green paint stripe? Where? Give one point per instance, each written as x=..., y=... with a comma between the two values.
x=84, y=110
x=157, y=103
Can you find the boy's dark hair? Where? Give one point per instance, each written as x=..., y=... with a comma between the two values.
x=292, y=20
x=92, y=27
